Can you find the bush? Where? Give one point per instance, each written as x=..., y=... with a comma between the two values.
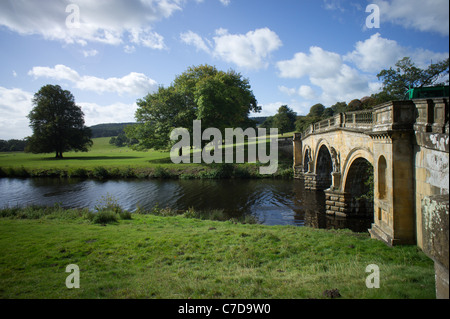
x=125, y=215
x=104, y=217
x=108, y=203
x=161, y=172
x=100, y=173
x=77, y=172
x=127, y=173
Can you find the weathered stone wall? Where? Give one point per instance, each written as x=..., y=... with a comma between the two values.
x=431, y=178
x=435, y=232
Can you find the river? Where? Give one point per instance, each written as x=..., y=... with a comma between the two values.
x=272, y=202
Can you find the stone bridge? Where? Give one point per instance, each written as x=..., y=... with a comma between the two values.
x=403, y=146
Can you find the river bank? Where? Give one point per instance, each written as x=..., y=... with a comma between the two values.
x=177, y=257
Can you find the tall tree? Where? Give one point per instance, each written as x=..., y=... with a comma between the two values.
x=284, y=120
x=397, y=81
x=57, y=123
x=219, y=99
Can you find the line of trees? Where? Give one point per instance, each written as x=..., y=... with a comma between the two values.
x=13, y=145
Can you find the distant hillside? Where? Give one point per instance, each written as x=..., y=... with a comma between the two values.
x=108, y=130
x=259, y=119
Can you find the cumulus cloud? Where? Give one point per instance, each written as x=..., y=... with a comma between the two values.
x=307, y=92
x=377, y=53
x=133, y=83
x=431, y=15
x=318, y=63
x=86, y=21
x=15, y=104
x=327, y=71
x=112, y=113
x=334, y=75
x=194, y=39
x=250, y=50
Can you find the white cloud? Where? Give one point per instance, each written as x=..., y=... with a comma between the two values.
x=327, y=71
x=319, y=63
x=430, y=15
x=286, y=90
x=250, y=50
x=339, y=81
x=147, y=38
x=377, y=53
x=59, y=72
x=133, y=83
x=105, y=22
x=307, y=92
x=15, y=105
x=129, y=48
x=113, y=113
x=89, y=53
x=225, y=2
x=194, y=39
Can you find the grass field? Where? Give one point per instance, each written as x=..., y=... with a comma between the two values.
x=101, y=154
x=151, y=256
x=108, y=161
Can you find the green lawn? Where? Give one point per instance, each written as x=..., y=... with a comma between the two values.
x=101, y=154
x=108, y=161
x=179, y=257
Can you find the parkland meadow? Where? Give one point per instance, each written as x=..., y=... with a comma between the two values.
x=108, y=161
x=152, y=255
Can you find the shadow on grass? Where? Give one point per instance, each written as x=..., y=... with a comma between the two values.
x=89, y=158
x=165, y=160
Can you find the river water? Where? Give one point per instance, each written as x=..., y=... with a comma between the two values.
x=273, y=202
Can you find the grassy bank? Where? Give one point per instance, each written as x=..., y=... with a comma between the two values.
x=107, y=161
x=149, y=256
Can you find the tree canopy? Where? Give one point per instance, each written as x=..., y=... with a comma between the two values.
x=284, y=120
x=57, y=123
x=405, y=75
x=219, y=99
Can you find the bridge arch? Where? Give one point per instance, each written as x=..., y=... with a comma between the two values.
x=323, y=165
x=358, y=169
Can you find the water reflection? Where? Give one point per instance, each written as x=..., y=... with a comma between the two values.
x=273, y=202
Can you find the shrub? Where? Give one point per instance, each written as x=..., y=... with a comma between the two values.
x=108, y=203
x=127, y=173
x=242, y=172
x=100, y=173
x=161, y=172
x=77, y=172
x=104, y=217
x=125, y=215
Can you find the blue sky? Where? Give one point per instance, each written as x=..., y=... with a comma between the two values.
x=299, y=53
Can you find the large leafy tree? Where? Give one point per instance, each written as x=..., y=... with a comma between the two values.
x=219, y=99
x=405, y=75
x=57, y=123
x=284, y=120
